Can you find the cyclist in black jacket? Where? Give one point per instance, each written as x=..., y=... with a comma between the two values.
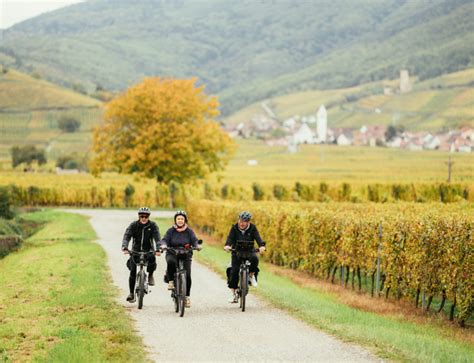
x=243, y=230
x=143, y=231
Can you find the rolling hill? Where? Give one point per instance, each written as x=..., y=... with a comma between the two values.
x=29, y=112
x=441, y=102
x=244, y=51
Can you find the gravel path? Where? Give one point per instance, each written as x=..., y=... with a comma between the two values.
x=212, y=329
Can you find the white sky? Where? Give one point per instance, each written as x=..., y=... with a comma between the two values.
x=14, y=11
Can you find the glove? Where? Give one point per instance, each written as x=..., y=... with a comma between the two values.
x=199, y=247
x=164, y=247
x=261, y=249
x=227, y=248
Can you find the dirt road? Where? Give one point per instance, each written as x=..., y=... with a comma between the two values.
x=212, y=329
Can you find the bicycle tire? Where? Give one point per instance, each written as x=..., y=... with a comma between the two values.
x=174, y=294
x=141, y=288
x=182, y=293
x=243, y=288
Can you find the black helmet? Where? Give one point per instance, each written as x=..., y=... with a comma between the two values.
x=144, y=210
x=245, y=216
x=181, y=213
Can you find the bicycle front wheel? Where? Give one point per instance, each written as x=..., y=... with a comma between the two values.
x=141, y=288
x=243, y=287
x=182, y=292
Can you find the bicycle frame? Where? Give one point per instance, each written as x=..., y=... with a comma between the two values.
x=244, y=250
x=178, y=294
x=141, y=284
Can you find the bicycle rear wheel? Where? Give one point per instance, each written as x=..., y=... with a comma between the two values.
x=141, y=288
x=182, y=292
x=174, y=294
x=243, y=288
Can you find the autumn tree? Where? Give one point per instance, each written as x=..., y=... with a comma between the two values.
x=162, y=128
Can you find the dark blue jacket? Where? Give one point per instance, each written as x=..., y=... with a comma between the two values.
x=173, y=238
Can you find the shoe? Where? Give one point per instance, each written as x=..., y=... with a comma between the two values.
x=171, y=285
x=234, y=298
x=151, y=280
x=187, y=302
x=253, y=281
x=131, y=298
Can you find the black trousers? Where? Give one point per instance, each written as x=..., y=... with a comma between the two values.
x=172, y=263
x=133, y=271
x=234, y=270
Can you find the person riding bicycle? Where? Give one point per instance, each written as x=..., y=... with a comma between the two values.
x=179, y=235
x=243, y=230
x=143, y=231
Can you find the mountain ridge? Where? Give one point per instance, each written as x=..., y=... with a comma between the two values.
x=245, y=51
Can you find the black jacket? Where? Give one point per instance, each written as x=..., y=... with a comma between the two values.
x=250, y=234
x=143, y=236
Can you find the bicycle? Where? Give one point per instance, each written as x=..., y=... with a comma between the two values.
x=178, y=294
x=141, y=285
x=244, y=250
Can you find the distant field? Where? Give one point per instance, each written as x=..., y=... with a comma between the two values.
x=315, y=163
x=29, y=112
x=19, y=92
x=446, y=101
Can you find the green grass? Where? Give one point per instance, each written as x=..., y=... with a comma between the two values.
x=56, y=301
x=394, y=338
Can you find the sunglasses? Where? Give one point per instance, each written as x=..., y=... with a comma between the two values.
x=145, y=216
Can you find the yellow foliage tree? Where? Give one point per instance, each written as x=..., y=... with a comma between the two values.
x=162, y=128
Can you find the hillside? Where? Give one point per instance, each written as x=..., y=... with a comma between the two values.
x=245, y=50
x=441, y=102
x=29, y=112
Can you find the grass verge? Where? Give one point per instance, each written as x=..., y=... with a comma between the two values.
x=390, y=336
x=57, y=304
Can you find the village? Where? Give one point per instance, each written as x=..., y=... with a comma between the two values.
x=314, y=129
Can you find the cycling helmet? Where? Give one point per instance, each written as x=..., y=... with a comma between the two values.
x=245, y=216
x=144, y=210
x=181, y=213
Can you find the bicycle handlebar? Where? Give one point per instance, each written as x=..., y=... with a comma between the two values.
x=179, y=249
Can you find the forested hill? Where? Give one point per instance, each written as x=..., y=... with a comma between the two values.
x=245, y=50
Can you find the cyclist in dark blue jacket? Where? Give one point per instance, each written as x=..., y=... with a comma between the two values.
x=243, y=230
x=180, y=235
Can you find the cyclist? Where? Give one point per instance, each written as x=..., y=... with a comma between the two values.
x=179, y=235
x=243, y=230
x=143, y=231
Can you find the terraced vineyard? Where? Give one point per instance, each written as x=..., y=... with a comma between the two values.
x=29, y=112
x=442, y=102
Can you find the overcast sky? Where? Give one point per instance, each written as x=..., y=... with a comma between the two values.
x=14, y=11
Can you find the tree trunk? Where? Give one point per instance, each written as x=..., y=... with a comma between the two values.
x=430, y=299
x=386, y=293
x=382, y=284
x=348, y=273
x=451, y=311
x=443, y=301
x=359, y=278
x=353, y=278
x=373, y=284
x=333, y=274
x=417, y=297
